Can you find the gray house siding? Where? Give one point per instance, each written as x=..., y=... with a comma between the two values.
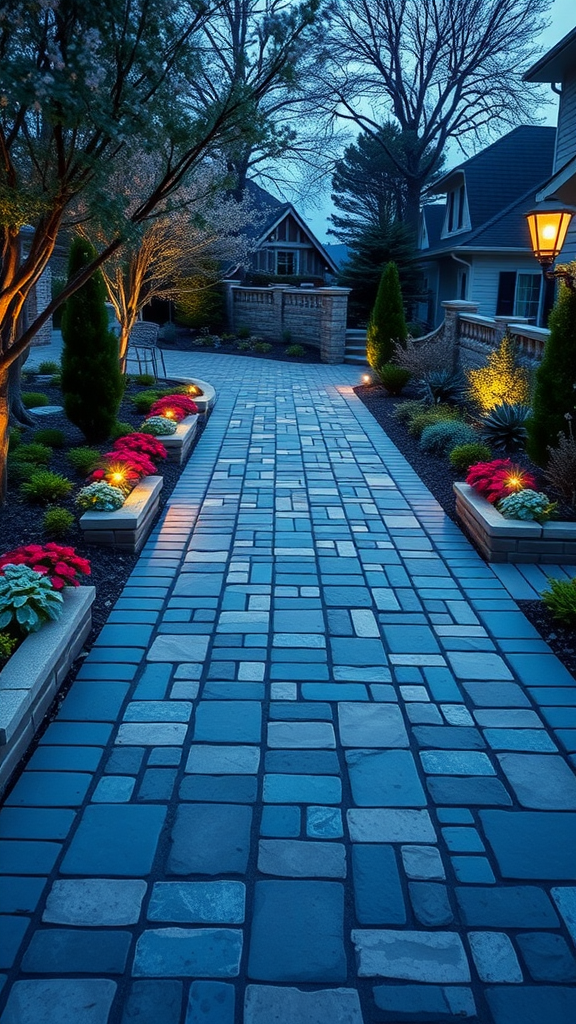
x=566, y=150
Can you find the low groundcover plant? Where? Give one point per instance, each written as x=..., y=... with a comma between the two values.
x=527, y=504
x=100, y=497
x=159, y=426
x=27, y=599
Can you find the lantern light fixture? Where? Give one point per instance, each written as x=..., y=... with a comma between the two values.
x=548, y=224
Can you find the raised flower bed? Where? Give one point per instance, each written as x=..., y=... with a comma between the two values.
x=178, y=445
x=126, y=527
x=34, y=673
x=206, y=399
x=513, y=540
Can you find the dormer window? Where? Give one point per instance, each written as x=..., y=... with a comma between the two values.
x=456, y=212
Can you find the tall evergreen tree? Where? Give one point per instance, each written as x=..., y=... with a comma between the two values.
x=91, y=380
x=387, y=322
x=554, y=396
x=369, y=254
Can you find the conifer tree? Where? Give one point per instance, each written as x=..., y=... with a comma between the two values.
x=554, y=395
x=387, y=323
x=91, y=380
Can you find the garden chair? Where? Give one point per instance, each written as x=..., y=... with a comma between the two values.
x=144, y=348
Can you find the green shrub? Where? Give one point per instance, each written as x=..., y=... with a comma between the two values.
x=56, y=380
x=38, y=454
x=199, y=302
x=20, y=470
x=27, y=599
x=14, y=438
x=91, y=379
x=120, y=430
x=44, y=486
x=33, y=399
x=84, y=459
x=145, y=400
x=387, y=324
x=504, y=427
x=295, y=351
x=244, y=346
x=57, y=521
x=441, y=438
x=431, y=415
x=49, y=366
x=286, y=336
x=555, y=379
x=243, y=332
x=263, y=347
x=7, y=645
x=465, y=455
x=560, y=600
x=408, y=410
x=146, y=379
x=53, y=438
x=393, y=378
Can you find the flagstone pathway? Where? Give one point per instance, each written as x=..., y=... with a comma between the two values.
x=317, y=768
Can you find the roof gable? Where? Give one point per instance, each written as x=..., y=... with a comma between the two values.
x=277, y=213
x=497, y=179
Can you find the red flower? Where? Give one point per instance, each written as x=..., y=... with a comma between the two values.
x=144, y=444
x=497, y=479
x=175, y=407
x=60, y=563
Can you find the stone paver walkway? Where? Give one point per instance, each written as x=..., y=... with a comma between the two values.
x=317, y=769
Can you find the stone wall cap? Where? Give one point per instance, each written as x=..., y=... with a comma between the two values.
x=132, y=511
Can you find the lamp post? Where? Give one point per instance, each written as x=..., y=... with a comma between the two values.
x=548, y=224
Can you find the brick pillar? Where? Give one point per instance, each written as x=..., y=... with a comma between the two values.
x=452, y=310
x=277, y=324
x=227, y=285
x=333, y=323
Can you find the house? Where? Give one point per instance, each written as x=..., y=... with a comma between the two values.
x=285, y=247
x=558, y=68
x=476, y=245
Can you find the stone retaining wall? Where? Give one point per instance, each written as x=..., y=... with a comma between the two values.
x=35, y=673
x=512, y=540
x=128, y=527
x=313, y=316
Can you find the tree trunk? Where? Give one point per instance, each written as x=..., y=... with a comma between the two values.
x=123, y=340
x=18, y=411
x=4, y=418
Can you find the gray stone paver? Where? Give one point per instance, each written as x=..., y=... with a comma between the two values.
x=395, y=830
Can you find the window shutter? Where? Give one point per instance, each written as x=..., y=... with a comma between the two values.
x=506, y=289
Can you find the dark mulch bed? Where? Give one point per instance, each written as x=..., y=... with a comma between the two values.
x=439, y=478
x=21, y=522
x=186, y=340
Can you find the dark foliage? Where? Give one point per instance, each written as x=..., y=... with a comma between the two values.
x=554, y=394
x=91, y=379
x=387, y=323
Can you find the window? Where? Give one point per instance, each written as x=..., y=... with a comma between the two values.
x=451, y=204
x=527, y=295
x=286, y=263
x=461, y=193
x=518, y=294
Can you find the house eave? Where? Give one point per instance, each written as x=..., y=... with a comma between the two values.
x=555, y=64
x=561, y=186
x=472, y=249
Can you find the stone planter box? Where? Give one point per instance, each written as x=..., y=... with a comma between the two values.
x=34, y=674
x=178, y=445
x=206, y=401
x=127, y=527
x=512, y=540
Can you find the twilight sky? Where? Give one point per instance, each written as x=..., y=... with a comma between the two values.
x=562, y=18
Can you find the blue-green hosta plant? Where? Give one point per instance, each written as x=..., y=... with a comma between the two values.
x=159, y=426
x=533, y=506
x=27, y=599
x=100, y=497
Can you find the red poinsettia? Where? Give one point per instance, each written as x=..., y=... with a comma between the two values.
x=173, y=407
x=144, y=444
x=497, y=479
x=60, y=563
x=123, y=469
